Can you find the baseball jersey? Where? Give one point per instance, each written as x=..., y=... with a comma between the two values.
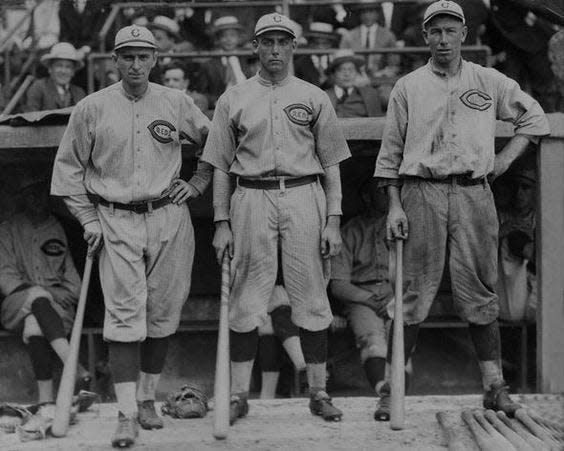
x=438, y=126
x=364, y=256
x=263, y=129
x=35, y=254
x=127, y=149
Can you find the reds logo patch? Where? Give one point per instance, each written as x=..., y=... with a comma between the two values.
x=53, y=247
x=161, y=131
x=476, y=99
x=299, y=113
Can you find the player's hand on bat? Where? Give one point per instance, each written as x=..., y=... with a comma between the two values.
x=181, y=191
x=93, y=236
x=223, y=240
x=396, y=224
x=331, y=238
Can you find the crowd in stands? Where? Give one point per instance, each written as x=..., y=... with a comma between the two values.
x=518, y=35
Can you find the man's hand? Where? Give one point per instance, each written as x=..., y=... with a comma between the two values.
x=223, y=240
x=396, y=224
x=93, y=236
x=181, y=191
x=331, y=238
x=501, y=165
x=62, y=296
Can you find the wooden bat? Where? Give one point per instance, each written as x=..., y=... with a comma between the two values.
x=397, y=408
x=535, y=442
x=537, y=430
x=550, y=425
x=519, y=443
x=502, y=443
x=455, y=439
x=68, y=379
x=222, y=387
x=483, y=439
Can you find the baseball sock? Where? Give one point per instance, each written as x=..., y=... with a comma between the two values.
x=124, y=365
x=40, y=355
x=487, y=343
x=374, y=368
x=49, y=320
x=314, y=346
x=153, y=356
x=243, y=350
x=288, y=333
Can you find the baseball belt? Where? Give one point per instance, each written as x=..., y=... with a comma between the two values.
x=281, y=183
x=135, y=207
x=458, y=179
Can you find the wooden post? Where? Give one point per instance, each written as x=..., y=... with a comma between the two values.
x=550, y=261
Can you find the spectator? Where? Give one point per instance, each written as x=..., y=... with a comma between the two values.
x=43, y=28
x=369, y=35
x=176, y=77
x=556, y=56
x=348, y=99
x=516, y=285
x=218, y=74
x=39, y=282
x=56, y=91
x=313, y=68
x=359, y=279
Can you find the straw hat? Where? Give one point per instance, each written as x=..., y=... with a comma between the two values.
x=62, y=51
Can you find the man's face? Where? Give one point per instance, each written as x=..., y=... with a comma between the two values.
x=164, y=41
x=274, y=49
x=61, y=71
x=134, y=65
x=525, y=195
x=444, y=35
x=228, y=39
x=319, y=42
x=175, y=79
x=345, y=75
x=369, y=17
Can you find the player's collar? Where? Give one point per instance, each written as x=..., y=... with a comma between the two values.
x=266, y=82
x=438, y=71
x=132, y=97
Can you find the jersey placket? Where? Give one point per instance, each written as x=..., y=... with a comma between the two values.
x=137, y=155
x=276, y=128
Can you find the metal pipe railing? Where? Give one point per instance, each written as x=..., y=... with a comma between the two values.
x=18, y=95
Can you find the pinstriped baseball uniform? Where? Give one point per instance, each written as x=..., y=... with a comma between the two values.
x=266, y=130
x=126, y=149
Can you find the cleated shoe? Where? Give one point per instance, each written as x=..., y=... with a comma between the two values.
x=382, y=412
x=238, y=408
x=497, y=398
x=126, y=432
x=320, y=404
x=147, y=415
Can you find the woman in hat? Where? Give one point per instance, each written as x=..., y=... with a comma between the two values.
x=56, y=91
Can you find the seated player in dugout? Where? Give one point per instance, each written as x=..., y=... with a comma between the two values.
x=361, y=282
x=39, y=284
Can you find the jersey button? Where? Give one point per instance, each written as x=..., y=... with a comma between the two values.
x=138, y=132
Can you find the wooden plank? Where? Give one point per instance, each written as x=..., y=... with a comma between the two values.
x=550, y=264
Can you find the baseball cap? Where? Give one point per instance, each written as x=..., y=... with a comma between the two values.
x=274, y=22
x=134, y=36
x=443, y=7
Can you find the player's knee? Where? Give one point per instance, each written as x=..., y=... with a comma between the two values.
x=282, y=323
x=373, y=351
x=243, y=345
x=37, y=292
x=314, y=345
x=266, y=327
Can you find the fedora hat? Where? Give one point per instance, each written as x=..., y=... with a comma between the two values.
x=322, y=30
x=62, y=51
x=166, y=24
x=226, y=23
x=343, y=56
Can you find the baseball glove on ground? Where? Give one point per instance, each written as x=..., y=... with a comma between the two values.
x=12, y=416
x=188, y=402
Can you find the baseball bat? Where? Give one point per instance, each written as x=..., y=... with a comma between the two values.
x=455, y=439
x=515, y=439
x=536, y=429
x=483, y=439
x=515, y=425
x=397, y=407
x=68, y=379
x=551, y=425
x=502, y=443
x=222, y=387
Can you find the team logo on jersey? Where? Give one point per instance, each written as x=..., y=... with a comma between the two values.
x=476, y=99
x=54, y=247
x=161, y=131
x=299, y=113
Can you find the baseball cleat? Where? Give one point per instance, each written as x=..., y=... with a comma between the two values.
x=497, y=398
x=126, y=432
x=320, y=404
x=238, y=408
x=147, y=415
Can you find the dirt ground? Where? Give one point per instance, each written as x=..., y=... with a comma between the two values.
x=286, y=424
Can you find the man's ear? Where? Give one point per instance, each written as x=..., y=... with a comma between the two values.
x=114, y=57
x=464, y=33
x=425, y=36
x=254, y=44
x=294, y=44
x=156, y=56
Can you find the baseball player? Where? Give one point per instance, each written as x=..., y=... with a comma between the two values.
x=436, y=167
x=39, y=282
x=118, y=169
x=360, y=280
x=278, y=136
